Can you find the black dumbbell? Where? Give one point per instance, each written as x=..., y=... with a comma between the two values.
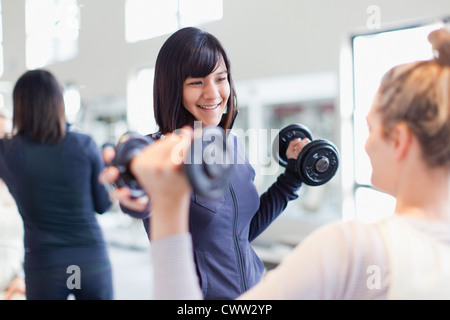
x=207, y=173
x=318, y=161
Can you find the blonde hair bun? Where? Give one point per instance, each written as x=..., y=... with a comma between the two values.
x=440, y=41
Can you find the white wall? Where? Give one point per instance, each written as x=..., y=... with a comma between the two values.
x=264, y=38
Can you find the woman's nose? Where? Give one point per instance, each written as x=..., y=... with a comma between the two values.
x=211, y=91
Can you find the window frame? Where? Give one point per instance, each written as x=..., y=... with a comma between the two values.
x=349, y=115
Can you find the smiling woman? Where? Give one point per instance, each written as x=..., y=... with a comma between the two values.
x=206, y=98
x=192, y=66
x=192, y=84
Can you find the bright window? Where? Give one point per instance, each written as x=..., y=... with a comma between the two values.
x=372, y=56
x=197, y=12
x=140, y=115
x=72, y=102
x=52, y=29
x=145, y=19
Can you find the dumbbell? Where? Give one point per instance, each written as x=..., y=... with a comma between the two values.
x=207, y=174
x=318, y=161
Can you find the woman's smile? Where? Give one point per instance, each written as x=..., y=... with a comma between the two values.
x=206, y=97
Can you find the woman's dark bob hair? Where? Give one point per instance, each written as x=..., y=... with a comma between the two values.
x=189, y=52
x=39, y=111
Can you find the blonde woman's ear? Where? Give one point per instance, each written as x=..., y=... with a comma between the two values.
x=402, y=138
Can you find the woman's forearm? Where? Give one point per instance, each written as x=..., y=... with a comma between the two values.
x=169, y=217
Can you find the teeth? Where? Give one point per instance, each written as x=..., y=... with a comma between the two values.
x=209, y=107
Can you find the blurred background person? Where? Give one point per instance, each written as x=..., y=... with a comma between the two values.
x=12, y=283
x=52, y=173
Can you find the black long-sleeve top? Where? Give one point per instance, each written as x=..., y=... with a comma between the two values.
x=57, y=191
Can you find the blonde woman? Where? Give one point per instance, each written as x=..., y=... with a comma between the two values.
x=405, y=256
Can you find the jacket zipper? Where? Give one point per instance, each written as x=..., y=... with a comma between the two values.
x=236, y=242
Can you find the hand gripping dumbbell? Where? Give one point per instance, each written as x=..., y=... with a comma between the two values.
x=318, y=161
x=208, y=175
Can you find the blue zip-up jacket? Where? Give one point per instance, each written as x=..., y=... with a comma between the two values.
x=223, y=228
x=57, y=192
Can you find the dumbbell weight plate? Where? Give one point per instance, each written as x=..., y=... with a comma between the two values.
x=281, y=142
x=208, y=169
x=129, y=145
x=207, y=172
x=319, y=161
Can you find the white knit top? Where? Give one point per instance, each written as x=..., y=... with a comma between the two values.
x=341, y=260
